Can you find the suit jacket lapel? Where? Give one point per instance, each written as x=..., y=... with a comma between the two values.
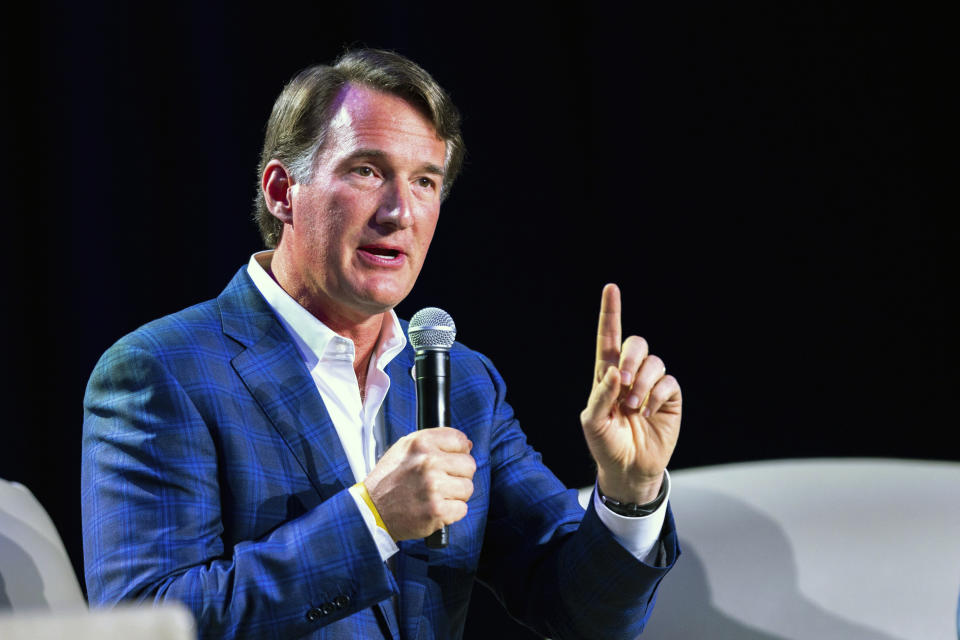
x=273, y=372
x=400, y=405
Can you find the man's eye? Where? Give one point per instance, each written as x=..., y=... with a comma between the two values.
x=426, y=183
x=365, y=172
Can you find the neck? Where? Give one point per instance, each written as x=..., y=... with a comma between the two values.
x=363, y=330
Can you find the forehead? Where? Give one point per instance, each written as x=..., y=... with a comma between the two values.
x=368, y=119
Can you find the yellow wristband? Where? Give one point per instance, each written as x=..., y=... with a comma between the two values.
x=367, y=499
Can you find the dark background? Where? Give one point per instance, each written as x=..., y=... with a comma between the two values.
x=764, y=182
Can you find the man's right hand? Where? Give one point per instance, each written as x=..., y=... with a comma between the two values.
x=423, y=482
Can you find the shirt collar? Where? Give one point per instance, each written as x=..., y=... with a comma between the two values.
x=312, y=336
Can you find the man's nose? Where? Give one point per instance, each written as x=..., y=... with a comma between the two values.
x=396, y=208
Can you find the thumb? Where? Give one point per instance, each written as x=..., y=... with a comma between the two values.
x=603, y=398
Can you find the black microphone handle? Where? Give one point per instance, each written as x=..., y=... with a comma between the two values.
x=432, y=371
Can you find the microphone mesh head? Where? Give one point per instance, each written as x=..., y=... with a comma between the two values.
x=432, y=328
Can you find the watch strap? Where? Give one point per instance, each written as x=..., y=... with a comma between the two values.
x=632, y=509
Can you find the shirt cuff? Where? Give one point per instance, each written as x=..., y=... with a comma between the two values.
x=640, y=535
x=385, y=544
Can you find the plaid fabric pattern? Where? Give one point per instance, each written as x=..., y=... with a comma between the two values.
x=212, y=475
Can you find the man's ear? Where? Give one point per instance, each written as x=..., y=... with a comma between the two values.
x=276, y=183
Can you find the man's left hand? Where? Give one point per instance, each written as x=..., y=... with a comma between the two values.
x=632, y=418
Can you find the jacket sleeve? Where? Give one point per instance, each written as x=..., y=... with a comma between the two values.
x=555, y=568
x=152, y=526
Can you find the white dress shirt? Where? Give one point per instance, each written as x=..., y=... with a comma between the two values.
x=359, y=422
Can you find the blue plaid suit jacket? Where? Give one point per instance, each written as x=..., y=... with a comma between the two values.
x=212, y=475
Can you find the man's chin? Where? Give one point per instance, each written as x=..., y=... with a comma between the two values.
x=377, y=297
x=379, y=303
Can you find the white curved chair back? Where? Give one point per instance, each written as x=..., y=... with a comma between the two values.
x=35, y=571
x=853, y=549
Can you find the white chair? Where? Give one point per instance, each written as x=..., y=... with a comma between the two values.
x=40, y=597
x=167, y=622
x=852, y=549
x=35, y=571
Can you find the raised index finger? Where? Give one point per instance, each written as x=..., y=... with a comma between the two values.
x=608, y=331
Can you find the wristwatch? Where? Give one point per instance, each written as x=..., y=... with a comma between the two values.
x=632, y=509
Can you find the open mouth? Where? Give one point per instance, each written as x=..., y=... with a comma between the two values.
x=382, y=254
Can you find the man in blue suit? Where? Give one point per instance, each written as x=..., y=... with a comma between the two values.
x=256, y=456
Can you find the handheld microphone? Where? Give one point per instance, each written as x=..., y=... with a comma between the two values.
x=432, y=333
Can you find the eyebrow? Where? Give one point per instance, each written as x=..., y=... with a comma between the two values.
x=377, y=153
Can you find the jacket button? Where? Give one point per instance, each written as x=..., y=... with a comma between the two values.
x=341, y=601
x=326, y=609
x=314, y=614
